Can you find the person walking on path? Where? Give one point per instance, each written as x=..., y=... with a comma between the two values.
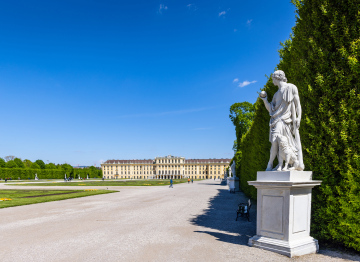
x=188, y=180
x=192, y=181
x=171, y=183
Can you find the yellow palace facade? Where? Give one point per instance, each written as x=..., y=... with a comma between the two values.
x=165, y=168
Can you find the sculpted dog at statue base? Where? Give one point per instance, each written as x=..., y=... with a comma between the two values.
x=286, y=153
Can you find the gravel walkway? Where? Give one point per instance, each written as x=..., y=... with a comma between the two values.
x=190, y=222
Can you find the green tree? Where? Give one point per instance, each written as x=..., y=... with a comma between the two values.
x=40, y=163
x=35, y=166
x=2, y=162
x=50, y=166
x=242, y=115
x=27, y=163
x=68, y=169
x=19, y=163
x=11, y=164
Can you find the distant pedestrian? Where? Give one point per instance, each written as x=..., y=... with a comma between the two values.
x=5, y=180
x=192, y=181
x=188, y=180
x=171, y=183
x=214, y=178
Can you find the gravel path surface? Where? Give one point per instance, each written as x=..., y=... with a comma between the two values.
x=190, y=222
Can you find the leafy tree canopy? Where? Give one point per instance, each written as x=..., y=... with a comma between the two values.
x=40, y=163
x=27, y=163
x=35, y=166
x=11, y=164
x=50, y=166
x=242, y=115
x=68, y=168
x=2, y=162
x=19, y=163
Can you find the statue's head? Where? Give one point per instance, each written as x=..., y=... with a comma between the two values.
x=278, y=75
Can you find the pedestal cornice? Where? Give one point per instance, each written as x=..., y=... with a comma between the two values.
x=310, y=183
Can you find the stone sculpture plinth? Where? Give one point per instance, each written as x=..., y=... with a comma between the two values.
x=283, y=212
x=233, y=183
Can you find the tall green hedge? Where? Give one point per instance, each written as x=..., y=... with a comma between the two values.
x=322, y=60
x=255, y=146
x=25, y=173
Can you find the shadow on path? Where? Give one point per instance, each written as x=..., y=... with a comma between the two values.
x=218, y=220
x=221, y=214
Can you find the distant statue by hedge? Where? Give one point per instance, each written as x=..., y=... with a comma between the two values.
x=285, y=117
x=233, y=169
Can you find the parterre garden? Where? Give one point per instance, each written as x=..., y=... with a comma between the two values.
x=20, y=197
x=155, y=182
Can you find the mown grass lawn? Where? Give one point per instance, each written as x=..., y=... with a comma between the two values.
x=19, y=197
x=155, y=182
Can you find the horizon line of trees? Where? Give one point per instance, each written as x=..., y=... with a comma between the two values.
x=15, y=162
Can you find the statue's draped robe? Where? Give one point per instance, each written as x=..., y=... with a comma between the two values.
x=281, y=118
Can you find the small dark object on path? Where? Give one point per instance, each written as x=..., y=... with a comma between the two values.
x=244, y=209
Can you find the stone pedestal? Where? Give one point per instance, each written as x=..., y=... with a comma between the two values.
x=233, y=183
x=283, y=212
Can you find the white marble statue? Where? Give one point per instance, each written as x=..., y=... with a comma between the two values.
x=285, y=117
x=232, y=167
x=36, y=177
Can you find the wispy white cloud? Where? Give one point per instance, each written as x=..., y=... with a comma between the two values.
x=236, y=80
x=161, y=8
x=191, y=7
x=177, y=112
x=222, y=13
x=248, y=22
x=246, y=83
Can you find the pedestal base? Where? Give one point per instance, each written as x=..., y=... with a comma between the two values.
x=233, y=183
x=290, y=249
x=283, y=212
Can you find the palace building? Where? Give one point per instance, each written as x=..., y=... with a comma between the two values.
x=165, y=168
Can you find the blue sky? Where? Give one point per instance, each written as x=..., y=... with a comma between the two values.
x=86, y=81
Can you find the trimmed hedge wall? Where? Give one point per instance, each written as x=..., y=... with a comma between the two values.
x=25, y=173
x=322, y=60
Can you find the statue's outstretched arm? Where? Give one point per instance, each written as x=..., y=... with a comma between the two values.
x=267, y=104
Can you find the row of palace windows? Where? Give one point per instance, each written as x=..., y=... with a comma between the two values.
x=137, y=177
x=150, y=167
x=141, y=177
x=165, y=161
x=137, y=172
x=204, y=172
x=128, y=167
